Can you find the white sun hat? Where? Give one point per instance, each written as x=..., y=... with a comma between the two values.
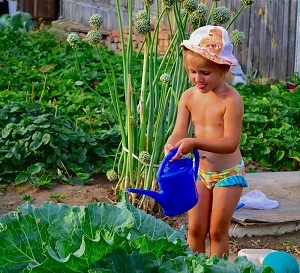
x=212, y=43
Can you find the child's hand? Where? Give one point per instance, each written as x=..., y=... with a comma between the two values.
x=168, y=148
x=185, y=146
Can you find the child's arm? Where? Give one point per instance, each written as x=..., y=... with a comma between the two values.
x=181, y=125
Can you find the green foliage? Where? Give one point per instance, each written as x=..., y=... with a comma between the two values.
x=51, y=125
x=38, y=145
x=120, y=238
x=271, y=127
x=20, y=21
x=58, y=124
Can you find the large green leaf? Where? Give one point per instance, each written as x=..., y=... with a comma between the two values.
x=98, y=238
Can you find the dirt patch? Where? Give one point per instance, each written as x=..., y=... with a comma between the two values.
x=102, y=190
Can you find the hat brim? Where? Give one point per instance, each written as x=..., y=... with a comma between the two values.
x=232, y=61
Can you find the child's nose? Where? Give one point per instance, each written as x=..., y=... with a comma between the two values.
x=199, y=78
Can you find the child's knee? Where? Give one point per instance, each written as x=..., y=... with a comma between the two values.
x=218, y=234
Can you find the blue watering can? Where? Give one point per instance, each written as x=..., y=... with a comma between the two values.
x=177, y=184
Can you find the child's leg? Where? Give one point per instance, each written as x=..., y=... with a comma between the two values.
x=225, y=200
x=198, y=219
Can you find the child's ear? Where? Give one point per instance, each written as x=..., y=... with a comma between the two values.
x=225, y=68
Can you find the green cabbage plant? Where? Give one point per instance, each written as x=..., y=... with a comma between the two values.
x=100, y=238
x=18, y=21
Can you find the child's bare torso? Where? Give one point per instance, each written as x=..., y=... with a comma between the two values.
x=207, y=115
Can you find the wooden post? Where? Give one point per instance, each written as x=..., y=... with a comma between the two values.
x=297, y=49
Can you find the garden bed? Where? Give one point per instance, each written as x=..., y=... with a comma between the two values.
x=101, y=190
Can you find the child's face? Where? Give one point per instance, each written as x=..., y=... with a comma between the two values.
x=206, y=75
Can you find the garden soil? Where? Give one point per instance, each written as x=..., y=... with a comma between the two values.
x=102, y=190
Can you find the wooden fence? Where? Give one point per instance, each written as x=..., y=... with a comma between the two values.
x=47, y=10
x=271, y=27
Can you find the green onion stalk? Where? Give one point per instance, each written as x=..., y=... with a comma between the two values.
x=151, y=106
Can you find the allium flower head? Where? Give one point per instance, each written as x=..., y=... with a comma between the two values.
x=190, y=5
x=187, y=36
x=182, y=13
x=237, y=37
x=165, y=78
x=142, y=14
x=202, y=10
x=248, y=2
x=148, y=2
x=96, y=21
x=73, y=39
x=221, y=15
x=112, y=175
x=132, y=121
x=94, y=37
x=166, y=7
x=144, y=157
x=195, y=20
x=142, y=26
x=169, y=3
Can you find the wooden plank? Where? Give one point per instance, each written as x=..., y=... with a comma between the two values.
x=297, y=47
x=282, y=187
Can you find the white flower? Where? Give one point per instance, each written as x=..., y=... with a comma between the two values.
x=142, y=14
x=73, y=39
x=190, y=5
x=112, y=175
x=248, y=2
x=237, y=37
x=144, y=157
x=165, y=78
x=94, y=37
x=221, y=15
x=96, y=21
x=142, y=26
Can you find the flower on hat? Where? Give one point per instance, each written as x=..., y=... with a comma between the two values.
x=190, y=5
x=248, y=2
x=143, y=26
x=237, y=37
x=96, y=21
x=221, y=15
x=94, y=37
x=73, y=39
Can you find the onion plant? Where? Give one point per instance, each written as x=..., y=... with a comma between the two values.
x=151, y=108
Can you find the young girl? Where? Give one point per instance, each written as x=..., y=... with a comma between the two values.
x=215, y=109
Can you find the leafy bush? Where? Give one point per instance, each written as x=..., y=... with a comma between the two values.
x=44, y=103
x=40, y=88
x=271, y=127
x=100, y=238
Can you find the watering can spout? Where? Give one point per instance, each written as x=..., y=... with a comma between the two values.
x=155, y=195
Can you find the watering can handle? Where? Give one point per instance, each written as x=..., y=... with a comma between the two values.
x=167, y=158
